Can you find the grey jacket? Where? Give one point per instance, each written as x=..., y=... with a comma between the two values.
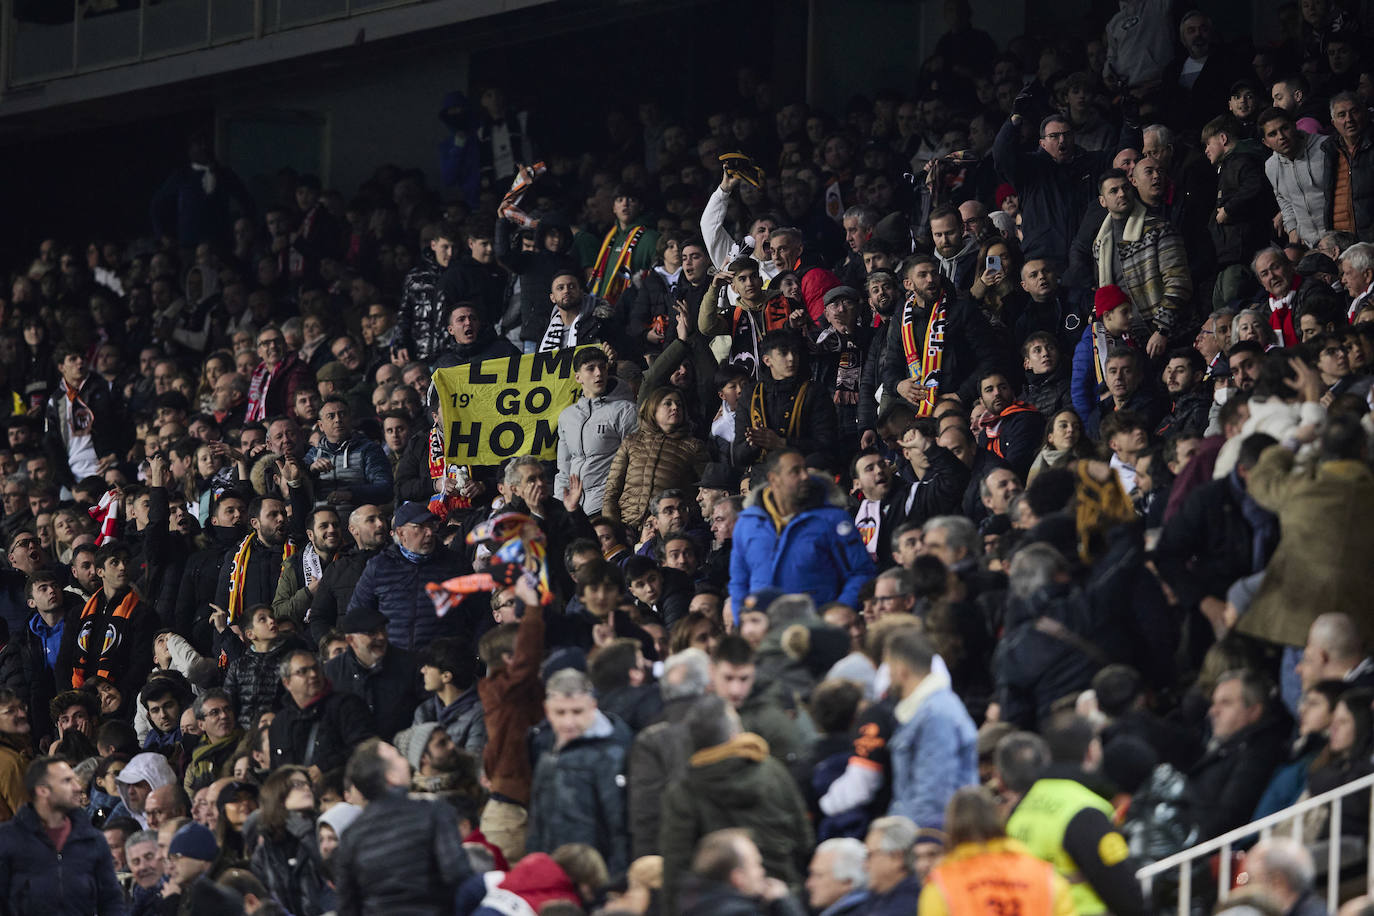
x=1300, y=188
x=589, y=433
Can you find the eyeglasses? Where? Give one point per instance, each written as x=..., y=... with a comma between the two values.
x=215, y=713
x=304, y=672
x=887, y=599
x=270, y=342
x=1059, y=135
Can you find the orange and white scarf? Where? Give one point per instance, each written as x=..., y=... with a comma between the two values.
x=238, y=572
x=923, y=362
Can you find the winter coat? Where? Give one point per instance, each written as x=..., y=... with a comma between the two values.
x=1049, y=393
x=337, y=721
x=260, y=578
x=400, y=857
x=534, y=271
x=36, y=878
x=108, y=430
x=970, y=348
x=1188, y=414
x=462, y=720
x=1300, y=187
x=337, y=584
x=183, y=209
x=394, y=585
x=1054, y=197
x=534, y=881
x=420, y=320
x=590, y=432
x=818, y=552
x=658, y=759
x=1154, y=268
x=253, y=681
x=209, y=759
x=817, y=431
x=200, y=581
x=736, y=784
x=1208, y=543
x=513, y=703
x=16, y=754
x=391, y=688
x=359, y=466
x=934, y=752
x=648, y=462
x=1245, y=194
x=290, y=867
x=1227, y=782
x=578, y=792
x=130, y=638
x=1361, y=175
x=1140, y=42
x=483, y=285
x=486, y=346
x=1320, y=566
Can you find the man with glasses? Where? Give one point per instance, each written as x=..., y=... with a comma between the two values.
x=219, y=738
x=317, y=727
x=1055, y=182
x=26, y=557
x=277, y=378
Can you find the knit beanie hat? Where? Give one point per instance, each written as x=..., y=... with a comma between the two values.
x=194, y=841
x=1107, y=298
x=339, y=817
x=412, y=742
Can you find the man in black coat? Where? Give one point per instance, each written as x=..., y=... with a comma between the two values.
x=969, y=346
x=263, y=551
x=84, y=424
x=402, y=855
x=1249, y=740
x=317, y=726
x=471, y=339
x=1190, y=396
x=476, y=277
x=1012, y=430
x=1245, y=205
x=200, y=578
x=1197, y=85
x=385, y=677
x=52, y=860
x=370, y=532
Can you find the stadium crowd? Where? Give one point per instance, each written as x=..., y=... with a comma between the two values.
x=967, y=502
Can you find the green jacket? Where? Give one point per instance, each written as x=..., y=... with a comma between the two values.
x=736, y=784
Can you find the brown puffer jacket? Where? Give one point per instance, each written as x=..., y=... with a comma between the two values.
x=648, y=462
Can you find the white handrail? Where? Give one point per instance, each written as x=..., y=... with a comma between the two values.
x=1184, y=860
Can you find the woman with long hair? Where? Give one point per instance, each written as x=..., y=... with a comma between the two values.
x=221, y=362
x=996, y=282
x=287, y=859
x=1349, y=741
x=1064, y=442
x=661, y=455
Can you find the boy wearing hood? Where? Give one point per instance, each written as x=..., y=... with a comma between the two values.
x=578, y=791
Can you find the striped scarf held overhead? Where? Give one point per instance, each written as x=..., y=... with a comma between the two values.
x=106, y=514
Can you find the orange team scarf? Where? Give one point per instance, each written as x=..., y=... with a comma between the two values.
x=924, y=363
x=238, y=572
x=108, y=639
x=609, y=284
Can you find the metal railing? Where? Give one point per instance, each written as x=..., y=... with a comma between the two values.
x=97, y=37
x=1184, y=861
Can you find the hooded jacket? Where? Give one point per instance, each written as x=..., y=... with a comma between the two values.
x=534, y=270
x=648, y=462
x=578, y=792
x=360, y=466
x=1300, y=188
x=420, y=321
x=534, y=881
x=736, y=784
x=150, y=767
x=961, y=267
x=590, y=431
x=462, y=720
x=818, y=552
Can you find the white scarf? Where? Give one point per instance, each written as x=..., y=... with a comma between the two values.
x=558, y=335
x=311, y=565
x=207, y=178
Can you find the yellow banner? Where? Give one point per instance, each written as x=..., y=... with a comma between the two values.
x=498, y=408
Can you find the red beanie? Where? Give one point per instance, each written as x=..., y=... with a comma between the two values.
x=1004, y=190
x=1107, y=298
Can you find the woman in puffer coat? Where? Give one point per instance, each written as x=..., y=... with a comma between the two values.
x=287, y=858
x=660, y=455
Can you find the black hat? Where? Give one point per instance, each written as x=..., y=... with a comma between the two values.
x=1316, y=263
x=363, y=620
x=717, y=476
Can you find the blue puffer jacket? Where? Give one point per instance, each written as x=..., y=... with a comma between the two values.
x=35, y=878
x=819, y=552
x=395, y=586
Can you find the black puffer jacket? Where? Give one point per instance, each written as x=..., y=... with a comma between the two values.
x=1187, y=415
x=1049, y=393
x=253, y=681
x=1249, y=202
x=1207, y=545
x=343, y=719
x=37, y=879
x=291, y=867
x=395, y=586
x=578, y=792
x=401, y=857
x=420, y=320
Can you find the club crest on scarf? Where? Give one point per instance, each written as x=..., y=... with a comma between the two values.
x=518, y=551
x=108, y=644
